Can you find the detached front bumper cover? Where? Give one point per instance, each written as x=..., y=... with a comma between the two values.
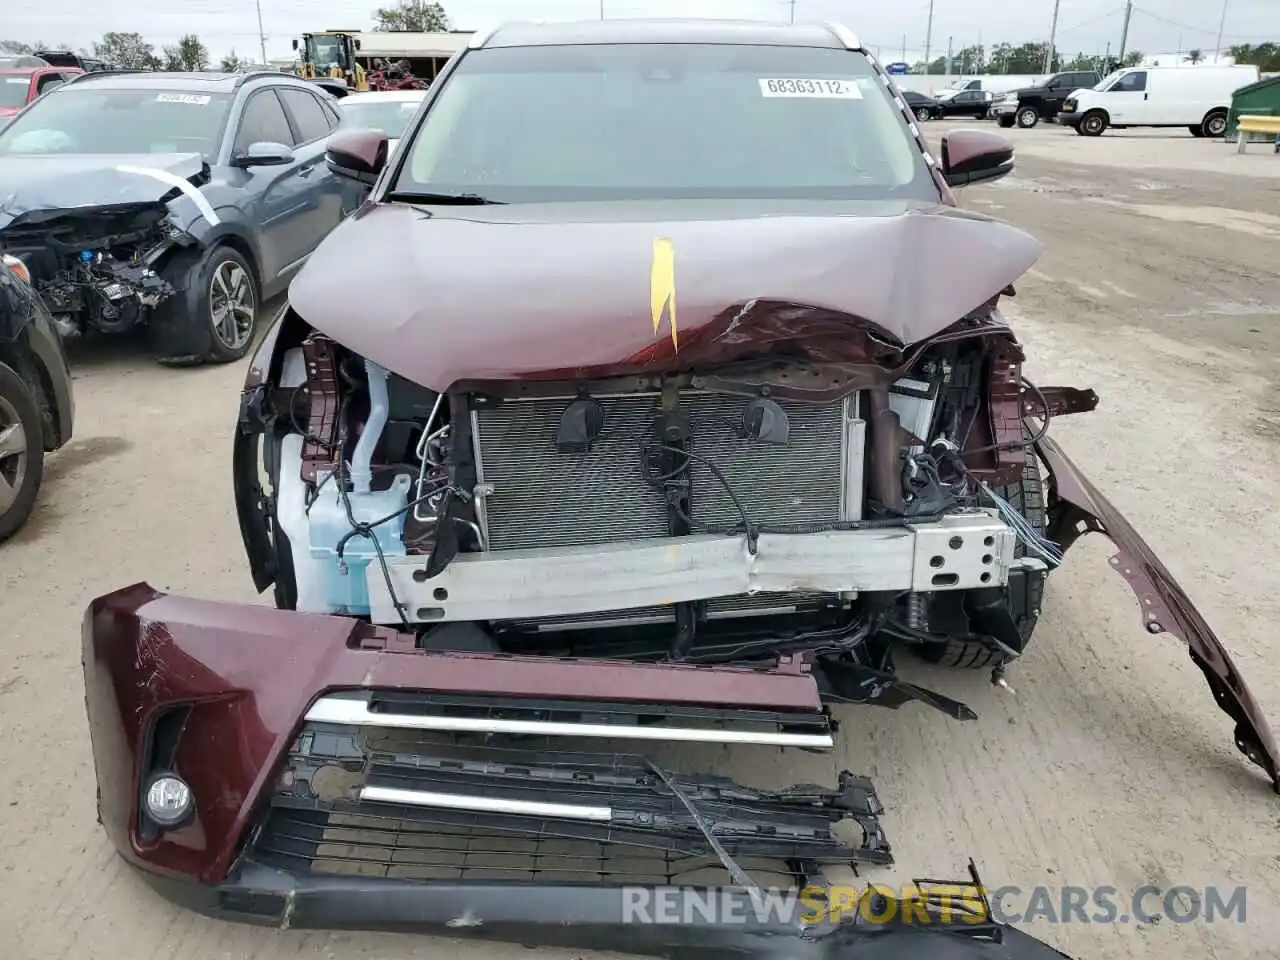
x=1076, y=508
x=226, y=697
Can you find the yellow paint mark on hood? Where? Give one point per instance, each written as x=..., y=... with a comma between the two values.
x=662, y=286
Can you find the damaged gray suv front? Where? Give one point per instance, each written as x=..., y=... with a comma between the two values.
x=171, y=201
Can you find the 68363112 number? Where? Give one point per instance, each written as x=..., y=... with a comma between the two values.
x=810, y=88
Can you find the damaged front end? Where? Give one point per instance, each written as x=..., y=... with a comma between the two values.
x=522, y=544
x=101, y=265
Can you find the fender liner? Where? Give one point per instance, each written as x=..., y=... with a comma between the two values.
x=1076, y=508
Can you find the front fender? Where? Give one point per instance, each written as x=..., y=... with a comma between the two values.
x=1075, y=508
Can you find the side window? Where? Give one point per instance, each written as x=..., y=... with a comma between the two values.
x=1083, y=80
x=1132, y=82
x=331, y=114
x=308, y=114
x=48, y=81
x=262, y=120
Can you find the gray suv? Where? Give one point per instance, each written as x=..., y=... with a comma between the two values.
x=174, y=201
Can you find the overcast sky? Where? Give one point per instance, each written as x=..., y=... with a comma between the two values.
x=1083, y=25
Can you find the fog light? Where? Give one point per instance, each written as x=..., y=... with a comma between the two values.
x=168, y=800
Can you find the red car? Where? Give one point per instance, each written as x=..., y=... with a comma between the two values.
x=20, y=85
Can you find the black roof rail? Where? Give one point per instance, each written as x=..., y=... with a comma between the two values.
x=258, y=74
x=108, y=72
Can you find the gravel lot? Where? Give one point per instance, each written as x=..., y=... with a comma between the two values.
x=1107, y=764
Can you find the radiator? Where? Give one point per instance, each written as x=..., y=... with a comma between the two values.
x=542, y=497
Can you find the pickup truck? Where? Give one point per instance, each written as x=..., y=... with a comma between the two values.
x=1028, y=106
x=20, y=85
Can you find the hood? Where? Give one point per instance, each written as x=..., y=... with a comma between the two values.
x=34, y=186
x=566, y=291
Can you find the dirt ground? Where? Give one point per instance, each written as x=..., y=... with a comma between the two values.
x=1108, y=763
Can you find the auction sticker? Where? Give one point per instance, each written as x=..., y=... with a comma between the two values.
x=198, y=99
x=811, y=89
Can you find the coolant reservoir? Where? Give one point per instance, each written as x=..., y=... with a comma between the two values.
x=344, y=582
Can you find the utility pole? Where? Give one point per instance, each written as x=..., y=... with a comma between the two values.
x=1053, y=37
x=1106, y=60
x=947, y=71
x=601, y=9
x=1217, y=50
x=1124, y=31
x=928, y=38
x=793, y=11
x=262, y=37
x=904, y=48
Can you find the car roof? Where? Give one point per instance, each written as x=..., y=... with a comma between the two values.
x=745, y=32
x=204, y=82
x=375, y=95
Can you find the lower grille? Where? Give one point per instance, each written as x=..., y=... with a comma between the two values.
x=322, y=821
x=543, y=497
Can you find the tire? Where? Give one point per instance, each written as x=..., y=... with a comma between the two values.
x=195, y=326
x=1006, y=122
x=1197, y=130
x=1026, y=587
x=21, y=452
x=1028, y=117
x=1214, y=124
x=1093, y=123
x=923, y=114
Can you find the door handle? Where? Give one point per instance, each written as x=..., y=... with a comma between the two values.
x=306, y=171
x=1146, y=96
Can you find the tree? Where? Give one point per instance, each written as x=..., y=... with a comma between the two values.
x=127, y=51
x=1195, y=56
x=411, y=16
x=231, y=63
x=188, y=56
x=972, y=59
x=1133, y=58
x=1265, y=56
x=16, y=47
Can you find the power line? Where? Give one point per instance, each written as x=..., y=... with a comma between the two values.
x=1206, y=31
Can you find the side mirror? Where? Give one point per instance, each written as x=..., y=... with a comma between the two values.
x=264, y=154
x=295, y=43
x=358, y=154
x=357, y=44
x=975, y=156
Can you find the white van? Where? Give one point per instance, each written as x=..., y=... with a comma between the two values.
x=1197, y=98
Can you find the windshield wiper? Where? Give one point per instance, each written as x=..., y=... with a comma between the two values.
x=452, y=199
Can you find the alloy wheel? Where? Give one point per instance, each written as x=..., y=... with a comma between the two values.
x=13, y=455
x=1215, y=126
x=231, y=305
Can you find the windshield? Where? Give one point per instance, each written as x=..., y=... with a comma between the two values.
x=326, y=52
x=390, y=116
x=82, y=120
x=13, y=91
x=632, y=121
x=1107, y=80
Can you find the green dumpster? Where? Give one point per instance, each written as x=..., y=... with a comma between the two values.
x=1257, y=99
